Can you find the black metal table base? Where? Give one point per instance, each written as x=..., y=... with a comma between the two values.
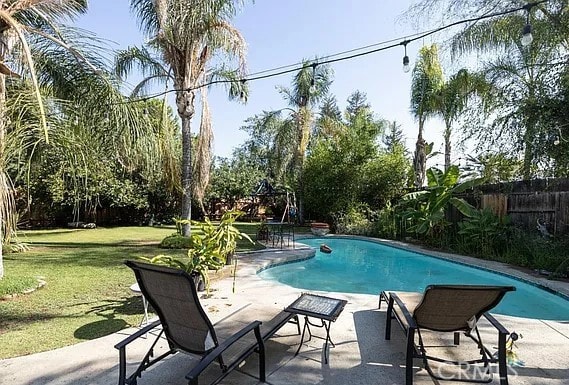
x=328, y=341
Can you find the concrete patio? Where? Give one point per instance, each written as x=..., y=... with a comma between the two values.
x=361, y=355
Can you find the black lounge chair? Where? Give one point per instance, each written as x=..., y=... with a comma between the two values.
x=448, y=308
x=172, y=294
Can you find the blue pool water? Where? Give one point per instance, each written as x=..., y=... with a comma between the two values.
x=356, y=266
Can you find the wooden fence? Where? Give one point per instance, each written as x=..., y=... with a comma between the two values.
x=529, y=203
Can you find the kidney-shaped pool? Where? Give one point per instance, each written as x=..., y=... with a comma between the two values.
x=357, y=266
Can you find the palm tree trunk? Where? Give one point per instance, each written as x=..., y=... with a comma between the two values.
x=529, y=136
x=186, y=174
x=2, y=148
x=304, y=120
x=185, y=104
x=420, y=157
x=447, y=147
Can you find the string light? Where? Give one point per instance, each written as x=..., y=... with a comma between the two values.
x=312, y=88
x=406, y=66
x=527, y=37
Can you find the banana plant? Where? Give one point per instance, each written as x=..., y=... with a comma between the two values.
x=424, y=211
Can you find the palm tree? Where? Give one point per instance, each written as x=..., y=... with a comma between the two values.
x=309, y=87
x=452, y=98
x=187, y=35
x=524, y=78
x=427, y=82
x=20, y=20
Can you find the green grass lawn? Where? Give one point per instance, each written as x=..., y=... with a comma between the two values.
x=87, y=293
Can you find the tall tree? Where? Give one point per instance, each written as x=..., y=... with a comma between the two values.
x=329, y=122
x=188, y=35
x=394, y=137
x=427, y=82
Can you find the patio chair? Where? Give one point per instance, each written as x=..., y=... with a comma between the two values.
x=172, y=294
x=448, y=308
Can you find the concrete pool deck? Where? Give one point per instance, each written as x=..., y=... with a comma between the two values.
x=361, y=355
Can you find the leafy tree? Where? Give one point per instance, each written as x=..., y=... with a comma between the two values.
x=496, y=168
x=188, y=36
x=232, y=180
x=348, y=169
x=271, y=144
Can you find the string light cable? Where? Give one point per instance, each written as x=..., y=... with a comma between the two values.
x=333, y=58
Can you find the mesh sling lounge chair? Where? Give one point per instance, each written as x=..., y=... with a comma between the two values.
x=172, y=294
x=448, y=308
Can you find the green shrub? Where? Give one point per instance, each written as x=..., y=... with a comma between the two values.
x=482, y=233
x=176, y=241
x=386, y=225
x=357, y=220
x=533, y=251
x=10, y=285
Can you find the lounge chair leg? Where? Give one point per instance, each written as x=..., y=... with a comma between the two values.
x=122, y=365
x=502, y=364
x=261, y=355
x=388, y=319
x=409, y=356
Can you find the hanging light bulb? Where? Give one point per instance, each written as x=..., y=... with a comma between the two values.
x=312, y=88
x=527, y=37
x=406, y=66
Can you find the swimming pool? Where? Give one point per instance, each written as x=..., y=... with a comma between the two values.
x=357, y=266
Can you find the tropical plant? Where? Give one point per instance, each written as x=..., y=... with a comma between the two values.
x=227, y=235
x=187, y=36
x=200, y=261
x=423, y=212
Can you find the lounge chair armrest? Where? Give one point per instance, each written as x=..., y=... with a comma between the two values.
x=496, y=324
x=137, y=334
x=214, y=354
x=408, y=317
